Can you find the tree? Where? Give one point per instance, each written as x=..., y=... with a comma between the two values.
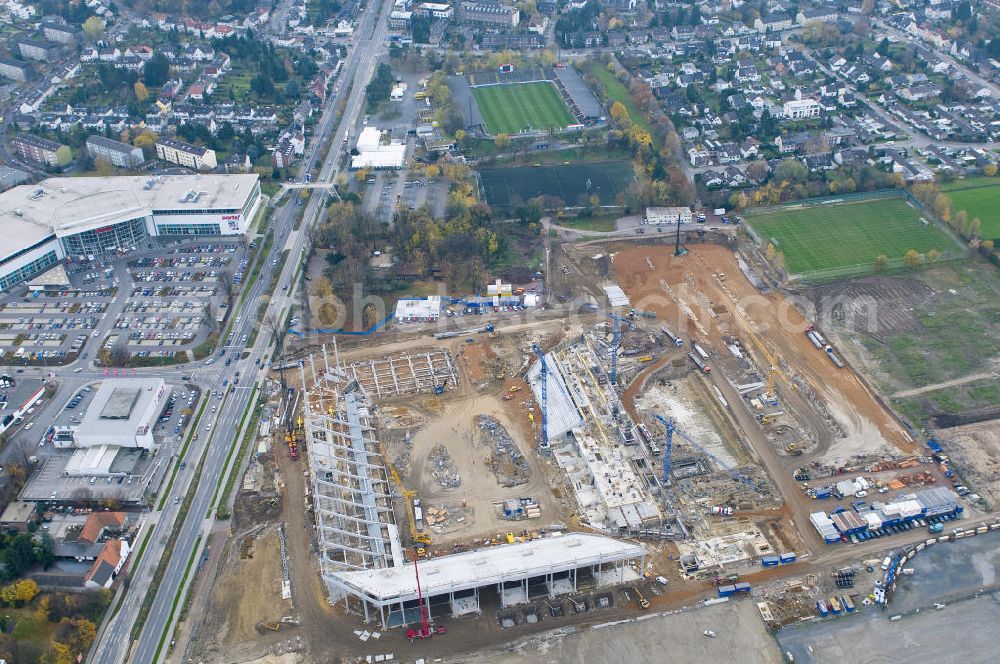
x=93, y=27
x=912, y=258
x=883, y=47
x=618, y=112
x=502, y=141
x=141, y=93
x=881, y=262
x=933, y=255
x=757, y=170
x=156, y=72
x=790, y=170
x=20, y=592
x=989, y=170
x=147, y=141
x=987, y=245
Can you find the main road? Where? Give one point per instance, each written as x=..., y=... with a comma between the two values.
x=220, y=433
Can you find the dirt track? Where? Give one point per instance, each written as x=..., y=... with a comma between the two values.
x=698, y=307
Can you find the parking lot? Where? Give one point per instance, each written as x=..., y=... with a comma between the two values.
x=153, y=303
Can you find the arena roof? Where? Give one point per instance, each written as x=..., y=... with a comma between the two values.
x=64, y=206
x=484, y=567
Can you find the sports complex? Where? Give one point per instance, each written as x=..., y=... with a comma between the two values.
x=525, y=101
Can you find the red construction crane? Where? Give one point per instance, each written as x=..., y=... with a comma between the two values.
x=426, y=630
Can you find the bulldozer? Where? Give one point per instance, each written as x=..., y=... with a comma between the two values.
x=793, y=449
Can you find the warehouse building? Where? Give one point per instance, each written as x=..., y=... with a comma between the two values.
x=122, y=413
x=377, y=151
x=667, y=215
x=62, y=217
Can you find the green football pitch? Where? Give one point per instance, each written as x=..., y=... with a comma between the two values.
x=515, y=107
x=843, y=235
x=979, y=197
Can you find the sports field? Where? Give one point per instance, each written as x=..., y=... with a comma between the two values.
x=842, y=235
x=575, y=184
x=979, y=197
x=515, y=107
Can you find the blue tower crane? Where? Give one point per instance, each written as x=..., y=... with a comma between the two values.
x=672, y=429
x=668, y=447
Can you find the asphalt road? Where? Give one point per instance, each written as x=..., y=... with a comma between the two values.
x=113, y=641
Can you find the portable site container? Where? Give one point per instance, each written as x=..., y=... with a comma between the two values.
x=848, y=604
x=742, y=587
x=726, y=591
x=835, y=606
x=821, y=607
x=787, y=558
x=770, y=561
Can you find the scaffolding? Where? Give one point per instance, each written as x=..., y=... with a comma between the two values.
x=351, y=486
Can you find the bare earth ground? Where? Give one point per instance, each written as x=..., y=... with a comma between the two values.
x=456, y=428
x=976, y=449
x=867, y=424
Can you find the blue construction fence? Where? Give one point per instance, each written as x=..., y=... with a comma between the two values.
x=374, y=328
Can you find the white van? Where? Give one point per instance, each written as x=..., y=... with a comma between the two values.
x=886, y=563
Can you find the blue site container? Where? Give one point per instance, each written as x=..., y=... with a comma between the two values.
x=769, y=561
x=821, y=607
x=742, y=587
x=787, y=558
x=726, y=591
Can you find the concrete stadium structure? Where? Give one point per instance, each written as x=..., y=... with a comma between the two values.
x=63, y=217
x=361, y=553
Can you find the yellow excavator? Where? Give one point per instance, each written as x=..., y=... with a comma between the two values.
x=420, y=538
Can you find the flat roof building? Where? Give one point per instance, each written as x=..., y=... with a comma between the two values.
x=122, y=414
x=16, y=70
x=668, y=215
x=454, y=582
x=377, y=151
x=59, y=217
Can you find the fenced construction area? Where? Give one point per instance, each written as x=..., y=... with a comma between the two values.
x=980, y=198
x=841, y=238
x=517, y=107
x=575, y=184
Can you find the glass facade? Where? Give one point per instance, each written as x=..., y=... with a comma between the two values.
x=123, y=235
x=188, y=229
x=29, y=270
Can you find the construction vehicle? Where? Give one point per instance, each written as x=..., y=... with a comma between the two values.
x=643, y=602
x=674, y=339
x=426, y=629
x=273, y=626
x=672, y=429
x=794, y=449
x=439, y=389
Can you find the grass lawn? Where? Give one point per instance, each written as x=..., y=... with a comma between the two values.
x=848, y=234
x=510, y=109
x=979, y=197
x=604, y=223
x=615, y=91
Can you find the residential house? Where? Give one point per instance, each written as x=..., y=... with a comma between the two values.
x=237, y=163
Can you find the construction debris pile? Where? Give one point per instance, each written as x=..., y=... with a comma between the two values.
x=443, y=468
x=505, y=459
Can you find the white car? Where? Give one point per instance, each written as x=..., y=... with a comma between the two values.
x=861, y=494
x=662, y=580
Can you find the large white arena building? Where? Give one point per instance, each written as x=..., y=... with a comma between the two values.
x=40, y=224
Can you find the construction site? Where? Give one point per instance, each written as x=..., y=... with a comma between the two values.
x=672, y=438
